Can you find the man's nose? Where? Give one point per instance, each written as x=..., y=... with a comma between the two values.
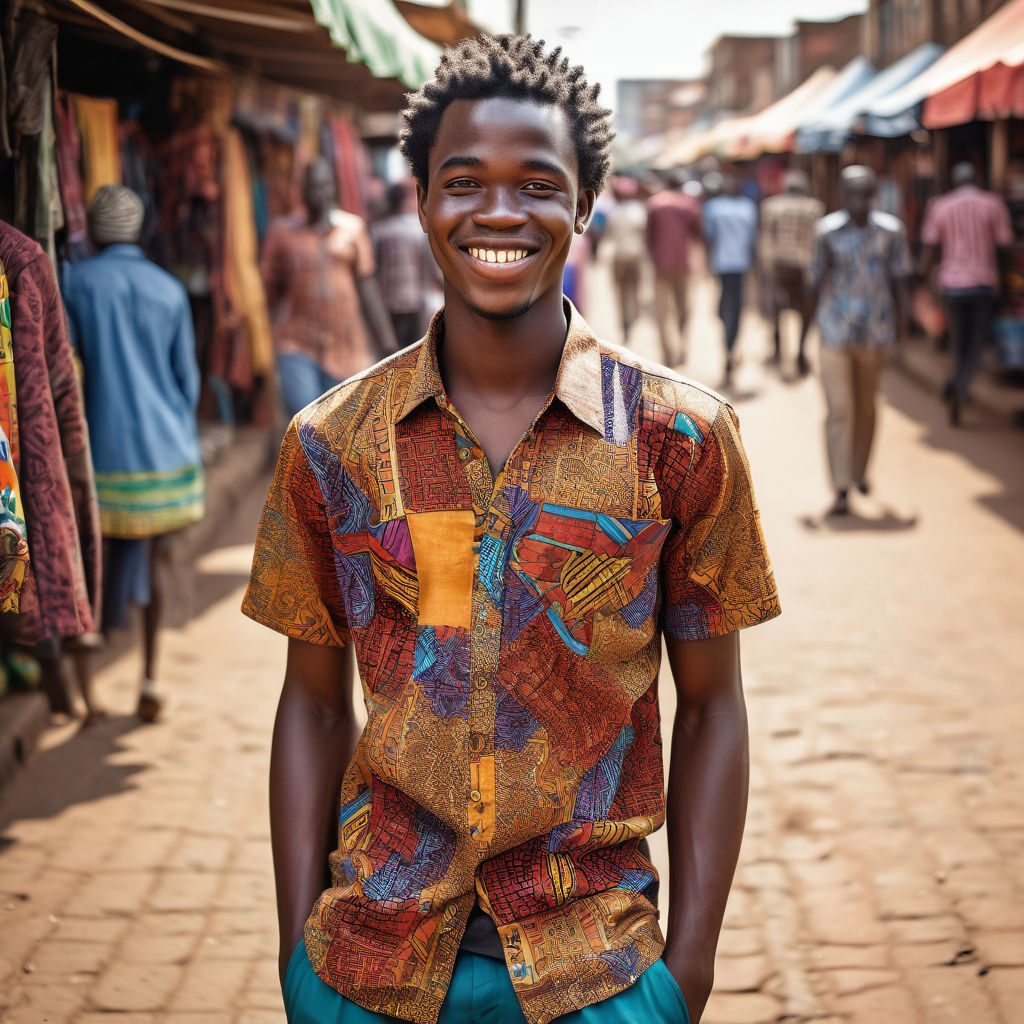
x=500, y=209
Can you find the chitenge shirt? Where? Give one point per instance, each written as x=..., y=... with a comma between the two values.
x=508, y=638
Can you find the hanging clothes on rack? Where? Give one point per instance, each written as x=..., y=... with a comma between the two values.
x=69, y=158
x=101, y=157
x=13, y=539
x=61, y=590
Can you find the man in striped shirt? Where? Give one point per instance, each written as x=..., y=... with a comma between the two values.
x=969, y=225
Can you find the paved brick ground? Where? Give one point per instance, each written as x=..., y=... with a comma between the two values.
x=882, y=876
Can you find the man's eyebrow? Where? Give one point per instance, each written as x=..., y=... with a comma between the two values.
x=545, y=165
x=460, y=161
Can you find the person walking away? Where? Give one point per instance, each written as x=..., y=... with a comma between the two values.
x=673, y=227
x=132, y=325
x=325, y=305
x=786, y=246
x=861, y=265
x=730, y=225
x=969, y=226
x=627, y=224
x=406, y=269
x=503, y=522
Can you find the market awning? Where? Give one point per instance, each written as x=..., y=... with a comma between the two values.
x=722, y=137
x=832, y=129
x=979, y=77
x=375, y=34
x=771, y=131
x=358, y=50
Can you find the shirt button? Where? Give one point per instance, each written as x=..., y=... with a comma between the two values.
x=475, y=796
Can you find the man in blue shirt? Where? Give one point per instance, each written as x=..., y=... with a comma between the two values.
x=133, y=329
x=730, y=224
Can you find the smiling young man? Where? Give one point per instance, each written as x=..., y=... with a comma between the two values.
x=502, y=522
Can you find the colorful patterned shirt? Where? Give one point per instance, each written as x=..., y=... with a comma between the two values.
x=856, y=267
x=508, y=637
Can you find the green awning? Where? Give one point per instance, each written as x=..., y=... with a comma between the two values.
x=372, y=32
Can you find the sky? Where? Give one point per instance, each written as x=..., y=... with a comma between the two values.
x=616, y=39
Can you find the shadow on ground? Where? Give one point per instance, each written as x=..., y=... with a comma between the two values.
x=78, y=771
x=986, y=441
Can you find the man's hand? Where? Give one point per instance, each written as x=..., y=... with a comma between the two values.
x=694, y=973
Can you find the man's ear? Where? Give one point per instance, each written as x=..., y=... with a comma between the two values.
x=584, y=209
x=421, y=205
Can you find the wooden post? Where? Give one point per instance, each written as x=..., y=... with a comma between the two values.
x=999, y=153
x=520, y=18
x=940, y=152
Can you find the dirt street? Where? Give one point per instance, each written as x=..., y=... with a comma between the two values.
x=882, y=876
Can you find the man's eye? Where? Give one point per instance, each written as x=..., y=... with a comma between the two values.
x=461, y=183
x=539, y=186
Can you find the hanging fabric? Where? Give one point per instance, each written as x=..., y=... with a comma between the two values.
x=101, y=157
x=13, y=540
x=61, y=590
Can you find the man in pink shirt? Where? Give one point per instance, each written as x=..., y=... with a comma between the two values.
x=969, y=225
x=673, y=225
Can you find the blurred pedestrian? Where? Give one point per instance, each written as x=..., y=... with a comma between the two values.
x=730, y=225
x=969, y=226
x=133, y=328
x=859, y=274
x=626, y=229
x=786, y=248
x=328, y=317
x=405, y=266
x=673, y=227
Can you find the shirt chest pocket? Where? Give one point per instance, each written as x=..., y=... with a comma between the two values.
x=424, y=561
x=581, y=565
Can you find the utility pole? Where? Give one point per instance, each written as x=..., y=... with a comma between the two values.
x=520, y=18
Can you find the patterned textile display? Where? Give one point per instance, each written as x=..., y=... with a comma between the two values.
x=61, y=593
x=508, y=637
x=13, y=542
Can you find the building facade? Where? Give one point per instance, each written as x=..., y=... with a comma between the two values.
x=895, y=27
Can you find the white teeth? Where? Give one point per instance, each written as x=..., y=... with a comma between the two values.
x=497, y=255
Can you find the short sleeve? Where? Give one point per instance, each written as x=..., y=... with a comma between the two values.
x=1003, y=227
x=716, y=574
x=365, y=263
x=293, y=587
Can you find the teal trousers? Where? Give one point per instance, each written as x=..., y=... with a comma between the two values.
x=481, y=992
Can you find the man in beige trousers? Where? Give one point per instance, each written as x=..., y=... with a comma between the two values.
x=858, y=277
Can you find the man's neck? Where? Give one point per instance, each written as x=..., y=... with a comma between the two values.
x=319, y=221
x=498, y=358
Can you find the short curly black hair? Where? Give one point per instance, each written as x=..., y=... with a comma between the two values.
x=516, y=67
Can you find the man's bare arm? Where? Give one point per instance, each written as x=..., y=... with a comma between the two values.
x=707, y=805
x=314, y=737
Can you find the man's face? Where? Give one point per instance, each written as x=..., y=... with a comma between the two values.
x=318, y=189
x=502, y=202
x=859, y=196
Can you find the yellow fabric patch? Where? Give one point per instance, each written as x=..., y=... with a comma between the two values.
x=443, y=545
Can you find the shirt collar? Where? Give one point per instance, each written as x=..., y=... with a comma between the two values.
x=122, y=249
x=577, y=383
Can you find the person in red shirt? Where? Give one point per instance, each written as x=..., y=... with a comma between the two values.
x=673, y=226
x=969, y=225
